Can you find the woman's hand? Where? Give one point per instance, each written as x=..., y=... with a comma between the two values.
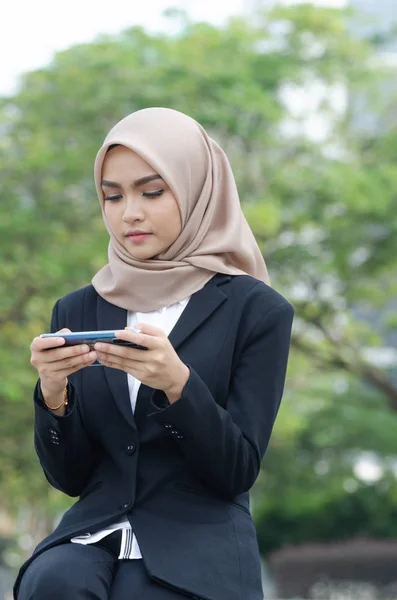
x=158, y=367
x=55, y=363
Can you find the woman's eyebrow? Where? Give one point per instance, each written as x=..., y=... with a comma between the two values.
x=146, y=179
x=136, y=183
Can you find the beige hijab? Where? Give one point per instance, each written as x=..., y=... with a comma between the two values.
x=215, y=236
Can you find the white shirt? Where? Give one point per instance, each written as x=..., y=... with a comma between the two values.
x=165, y=319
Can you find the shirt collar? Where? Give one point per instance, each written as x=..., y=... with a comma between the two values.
x=178, y=303
x=183, y=302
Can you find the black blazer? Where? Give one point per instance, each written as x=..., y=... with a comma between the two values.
x=180, y=472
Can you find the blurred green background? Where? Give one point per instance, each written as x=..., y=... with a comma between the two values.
x=303, y=100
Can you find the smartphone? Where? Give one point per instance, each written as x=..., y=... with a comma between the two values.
x=91, y=337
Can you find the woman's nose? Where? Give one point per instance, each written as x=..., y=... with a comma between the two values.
x=133, y=209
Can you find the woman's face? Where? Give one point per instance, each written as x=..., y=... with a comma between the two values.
x=141, y=210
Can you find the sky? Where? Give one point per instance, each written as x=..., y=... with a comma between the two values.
x=33, y=31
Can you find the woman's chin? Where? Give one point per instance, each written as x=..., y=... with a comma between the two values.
x=141, y=254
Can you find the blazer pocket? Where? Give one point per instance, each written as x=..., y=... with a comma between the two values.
x=91, y=488
x=200, y=492
x=196, y=491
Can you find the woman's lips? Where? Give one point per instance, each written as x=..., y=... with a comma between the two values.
x=138, y=237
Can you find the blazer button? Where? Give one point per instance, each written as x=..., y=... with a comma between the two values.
x=130, y=449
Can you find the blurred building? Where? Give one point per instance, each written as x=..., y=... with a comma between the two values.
x=377, y=20
x=378, y=17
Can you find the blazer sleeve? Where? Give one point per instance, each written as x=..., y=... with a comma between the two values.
x=225, y=446
x=62, y=444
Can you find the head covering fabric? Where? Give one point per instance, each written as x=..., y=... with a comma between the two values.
x=215, y=236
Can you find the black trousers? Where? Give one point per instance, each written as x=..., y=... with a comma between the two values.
x=92, y=572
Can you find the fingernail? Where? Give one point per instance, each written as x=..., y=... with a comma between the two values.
x=85, y=348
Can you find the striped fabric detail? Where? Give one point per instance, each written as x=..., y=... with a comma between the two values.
x=126, y=544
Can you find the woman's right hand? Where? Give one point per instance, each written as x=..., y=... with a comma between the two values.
x=55, y=362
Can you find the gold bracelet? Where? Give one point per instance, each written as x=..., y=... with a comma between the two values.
x=63, y=403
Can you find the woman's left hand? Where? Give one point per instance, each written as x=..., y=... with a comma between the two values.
x=159, y=367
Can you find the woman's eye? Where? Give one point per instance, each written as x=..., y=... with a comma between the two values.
x=113, y=197
x=152, y=194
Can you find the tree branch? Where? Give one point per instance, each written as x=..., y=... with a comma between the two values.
x=377, y=378
x=14, y=314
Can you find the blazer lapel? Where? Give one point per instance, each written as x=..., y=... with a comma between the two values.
x=110, y=316
x=201, y=306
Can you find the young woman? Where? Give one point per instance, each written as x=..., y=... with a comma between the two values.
x=161, y=445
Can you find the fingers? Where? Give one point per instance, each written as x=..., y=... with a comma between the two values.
x=54, y=360
x=39, y=344
x=57, y=371
x=151, y=340
x=117, y=362
x=65, y=353
x=73, y=363
x=61, y=373
x=113, y=352
x=53, y=353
